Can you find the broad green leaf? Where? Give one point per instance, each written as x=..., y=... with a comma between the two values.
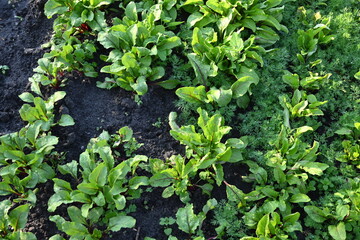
x=161, y=179
x=315, y=214
x=242, y=86
x=342, y=211
x=168, y=192
x=99, y=175
x=187, y=220
x=195, y=95
x=75, y=215
x=262, y=228
x=131, y=11
x=60, y=184
x=57, y=237
x=291, y=218
x=292, y=80
x=57, y=199
x=27, y=97
x=299, y=198
x=221, y=96
x=69, y=168
x=129, y=60
x=138, y=181
x=169, y=43
x=357, y=75
x=202, y=70
x=33, y=132
x=106, y=155
x=5, y=189
x=53, y=7
x=75, y=229
x=314, y=168
x=88, y=188
x=18, y=216
x=119, y=222
x=338, y=232
x=140, y=85
x=66, y=120
x=99, y=200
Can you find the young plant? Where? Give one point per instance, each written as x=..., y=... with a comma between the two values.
x=43, y=111
x=189, y=222
x=102, y=195
x=13, y=220
x=137, y=46
x=205, y=154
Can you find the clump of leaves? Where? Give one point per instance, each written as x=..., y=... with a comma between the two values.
x=107, y=183
x=205, y=154
x=13, y=220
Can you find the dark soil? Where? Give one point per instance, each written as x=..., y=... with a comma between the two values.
x=23, y=29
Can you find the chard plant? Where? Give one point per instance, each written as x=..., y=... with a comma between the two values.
x=302, y=104
x=205, y=154
x=137, y=45
x=221, y=97
x=24, y=154
x=106, y=184
x=189, y=222
x=13, y=221
x=309, y=40
x=340, y=215
x=351, y=146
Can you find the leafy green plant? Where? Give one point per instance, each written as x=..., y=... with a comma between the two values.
x=189, y=222
x=221, y=97
x=23, y=162
x=342, y=215
x=136, y=47
x=351, y=146
x=105, y=186
x=309, y=40
x=4, y=69
x=13, y=220
x=42, y=111
x=205, y=154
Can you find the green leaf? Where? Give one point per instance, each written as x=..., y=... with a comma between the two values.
x=338, y=232
x=131, y=11
x=5, y=189
x=66, y=120
x=342, y=211
x=18, y=217
x=88, y=188
x=75, y=229
x=69, y=168
x=75, y=215
x=315, y=214
x=357, y=75
x=202, y=70
x=140, y=86
x=242, y=86
x=292, y=80
x=220, y=96
x=99, y=175
x=299, y=198
x=138, y=181
x=119, y=222
x=53, y=7
x=195, y=95
x=262, y=228
x=187, y=220
x=314, y=168
x=27, y=97
x=292, y=218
